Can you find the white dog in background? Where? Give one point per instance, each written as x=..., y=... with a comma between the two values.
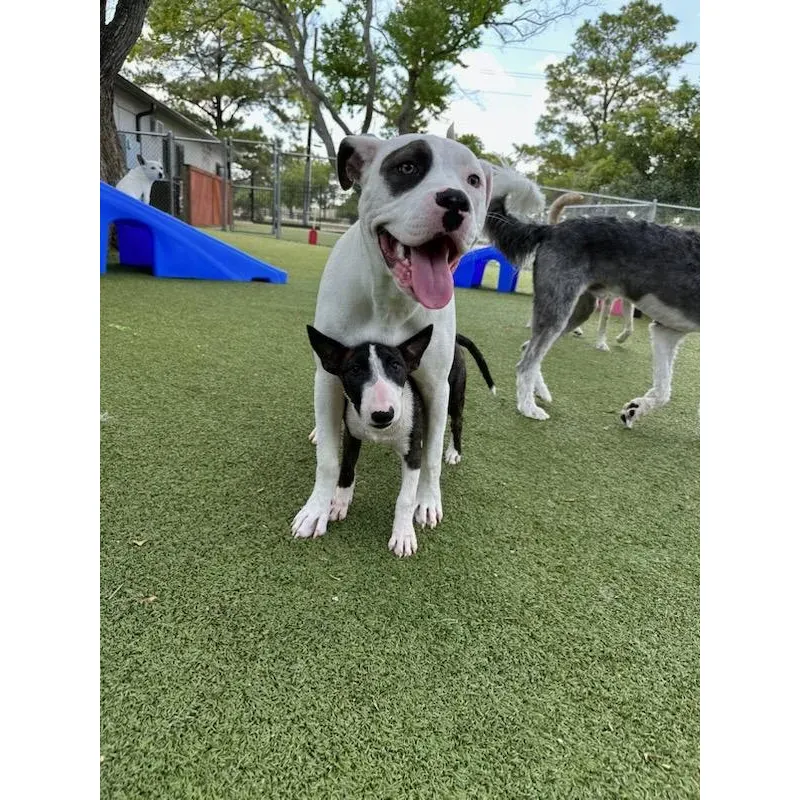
x=139, y=181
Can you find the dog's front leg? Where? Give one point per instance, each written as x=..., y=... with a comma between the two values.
x=404, y=539
x=429, y=494
x=312, y=519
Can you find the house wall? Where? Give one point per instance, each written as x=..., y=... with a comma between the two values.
x=206, y=156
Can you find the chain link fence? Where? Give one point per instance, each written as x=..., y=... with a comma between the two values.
x=253, y=187
x=606, y=205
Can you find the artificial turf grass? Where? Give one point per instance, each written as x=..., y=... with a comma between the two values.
x=543, y=642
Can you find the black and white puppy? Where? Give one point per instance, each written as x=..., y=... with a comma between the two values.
x=383, y=404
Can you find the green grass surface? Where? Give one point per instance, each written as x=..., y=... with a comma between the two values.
x=543, y=643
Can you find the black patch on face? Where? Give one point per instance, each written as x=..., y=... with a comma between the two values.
x=452, y=220
x=393, y=364
x=407, y=167
x=356, y=374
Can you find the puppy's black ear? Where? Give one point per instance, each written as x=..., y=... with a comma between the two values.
x=330, y=352
x=414, y=348
x=140, y=159
x=354, y=156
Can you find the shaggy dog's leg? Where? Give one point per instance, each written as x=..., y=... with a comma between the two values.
x=555, y=306
x=664, y=343
x=627, y=315
x=605, y=310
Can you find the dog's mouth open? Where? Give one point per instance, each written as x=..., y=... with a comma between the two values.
x=426, y=271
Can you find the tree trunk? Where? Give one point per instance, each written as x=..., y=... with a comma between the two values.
x=112, y=162
x=116, y=40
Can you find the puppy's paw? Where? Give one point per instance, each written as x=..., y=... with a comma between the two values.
x=528, y=408
x=404, y=539
x=452, y=456
x=603, y=346
x=623, y=336
x=577, y=332
x=311, y=520
x=312, y=437
x=342, y=498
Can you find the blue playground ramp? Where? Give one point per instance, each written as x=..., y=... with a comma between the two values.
x=150, y=238
x=470, y=269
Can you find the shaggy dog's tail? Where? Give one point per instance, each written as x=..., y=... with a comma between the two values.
x=568, y=199
x=479, y=360
x=516, y=240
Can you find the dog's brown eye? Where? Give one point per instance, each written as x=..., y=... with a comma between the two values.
x=474, y=180
x=407, y=168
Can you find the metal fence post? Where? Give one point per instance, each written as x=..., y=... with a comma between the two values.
x=171, y=171
x=307, y=190
x=276, y=193
x=228, y=182
x=223, y=189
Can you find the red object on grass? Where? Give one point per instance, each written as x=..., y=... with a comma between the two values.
x=312, y=236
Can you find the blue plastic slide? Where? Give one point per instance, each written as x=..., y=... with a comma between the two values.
x=469, y=272
x=148, y=237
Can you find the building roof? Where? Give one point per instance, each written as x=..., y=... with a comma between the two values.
x=165, y=111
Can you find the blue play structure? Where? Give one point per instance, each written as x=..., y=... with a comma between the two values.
x=469, y=272
x=148, y=237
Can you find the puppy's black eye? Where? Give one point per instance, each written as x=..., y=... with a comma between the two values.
x=407, y=168
x=474, y=180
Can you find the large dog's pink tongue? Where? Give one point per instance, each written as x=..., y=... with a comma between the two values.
x=431, y=278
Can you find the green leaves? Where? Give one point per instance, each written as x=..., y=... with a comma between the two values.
x=212, y=59
x=613, y=123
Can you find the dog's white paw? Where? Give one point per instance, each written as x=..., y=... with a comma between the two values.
x=603, y=346
x=577, y=332
x=452, y=456
x=312, y=519
x=429, y=507
x=404, y=539
x=633, y=410
x=623, y=336
x=312, y=437
x=528, y=408
x=342, y=498
x=542, y=392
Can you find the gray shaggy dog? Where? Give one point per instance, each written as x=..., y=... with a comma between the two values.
x=655, y=267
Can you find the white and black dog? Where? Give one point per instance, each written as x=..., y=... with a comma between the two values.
x=383, y=404
x=655, y=267
x=422, y=205
x=138, y=182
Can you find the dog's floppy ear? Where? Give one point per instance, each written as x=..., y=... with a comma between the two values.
x=414, y=348
x=331, y=353
x=488, y=172
x=355, y=154
x=140, y=159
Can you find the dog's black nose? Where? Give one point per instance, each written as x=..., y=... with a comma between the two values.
x=382, y=418
x=452, y=200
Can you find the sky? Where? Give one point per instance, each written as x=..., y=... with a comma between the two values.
x=502, y=90
x=510, y=83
